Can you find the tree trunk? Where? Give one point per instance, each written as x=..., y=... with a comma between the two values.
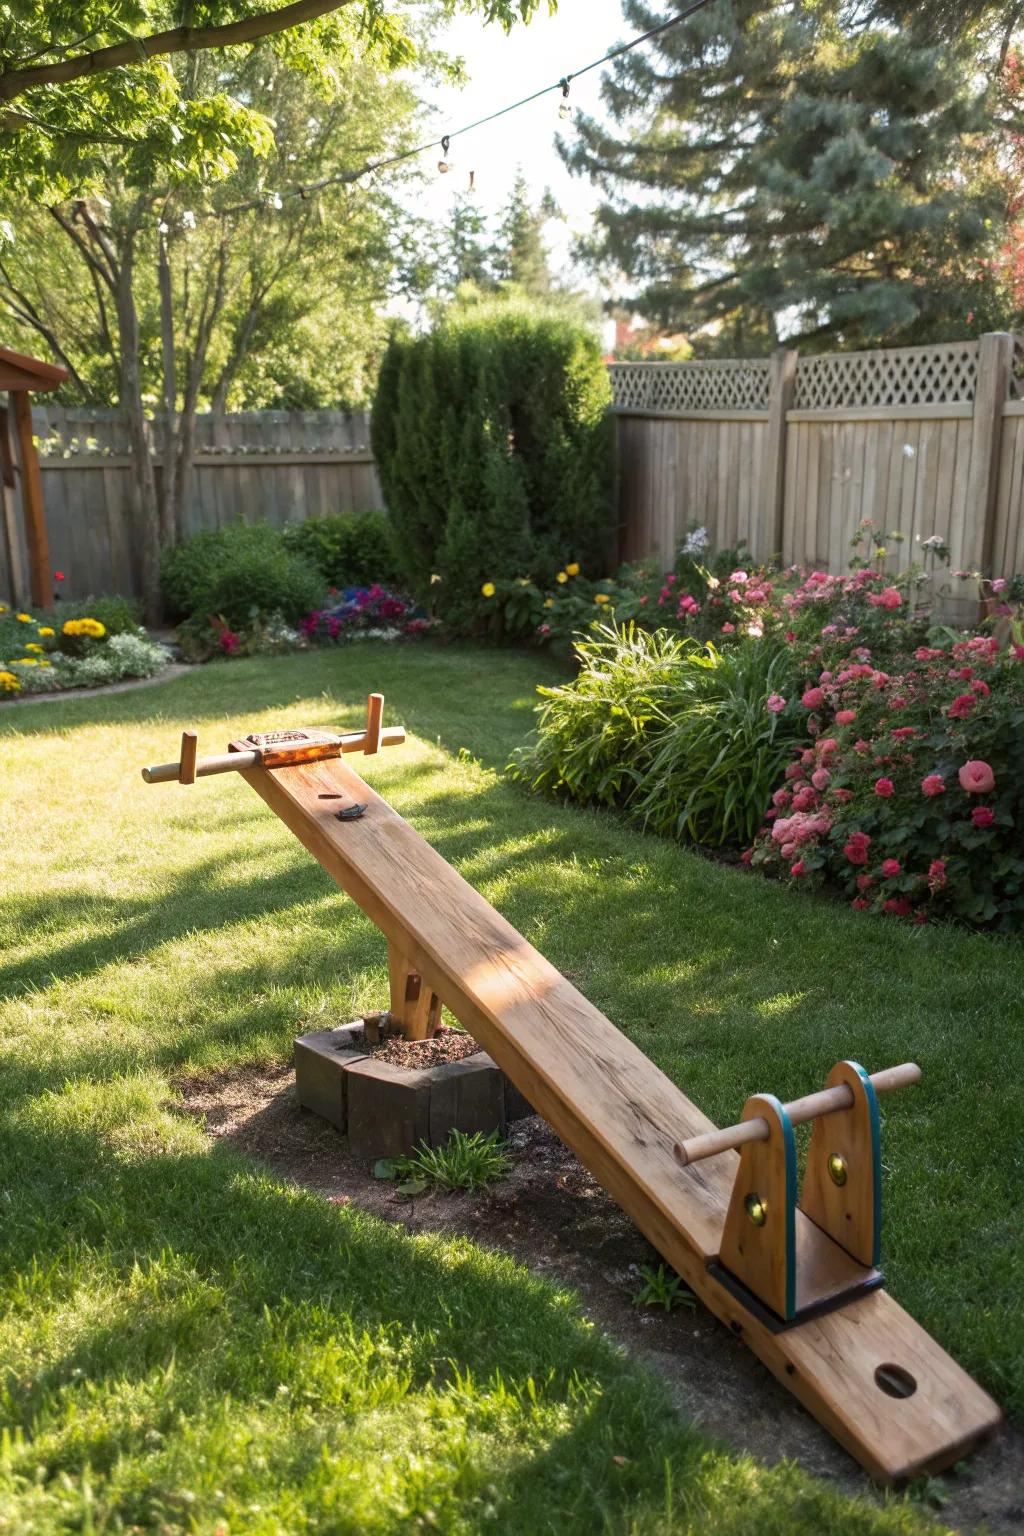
x=145, y=508
x=169, y=522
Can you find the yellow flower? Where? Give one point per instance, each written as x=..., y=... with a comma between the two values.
x=549, y=602
x=24, y=618
x=561, y=578
x=522, y=581
x=26, y=661
x=9, y=683
x=488, y=589
x=46, y=630
x=572, y=570
x=3, y=607
x=435, y=578
x=46, y=663
x=31, y=646
x=91, y=627
x=601, y=597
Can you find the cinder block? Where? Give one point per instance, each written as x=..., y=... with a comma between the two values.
x=320, y=1062
x=388, y=1108
x=517, y=1105
x=467, y=1096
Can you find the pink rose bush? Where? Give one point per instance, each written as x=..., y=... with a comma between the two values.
x=911, y=797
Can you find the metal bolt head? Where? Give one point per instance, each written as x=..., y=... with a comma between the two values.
x=837, y=1169
x=757, y=1209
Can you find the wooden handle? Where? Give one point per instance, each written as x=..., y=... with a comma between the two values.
x=187, y=766
x=799, y=1111
x=374, y=714
x=231, y=762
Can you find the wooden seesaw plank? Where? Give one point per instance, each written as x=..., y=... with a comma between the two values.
x=622, y=1116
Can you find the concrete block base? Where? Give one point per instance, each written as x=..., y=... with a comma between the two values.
x=388, y=1111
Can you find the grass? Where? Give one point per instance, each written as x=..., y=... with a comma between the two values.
x=188, y=1344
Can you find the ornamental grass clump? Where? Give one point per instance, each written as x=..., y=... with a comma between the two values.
x=682, y=737
x=907, y=792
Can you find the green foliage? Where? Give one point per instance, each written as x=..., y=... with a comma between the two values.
x=350, y=549
x=661, y=1288
x=495, y=452
x=810, y=169
x=118, y=615
x=676, y=734
x=466, y=1162
x=241, y=572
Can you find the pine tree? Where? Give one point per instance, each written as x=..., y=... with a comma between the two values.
x=519, y=256
x=814, y=171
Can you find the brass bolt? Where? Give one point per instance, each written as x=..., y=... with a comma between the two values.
x=757, y=1210
x=837, y=1169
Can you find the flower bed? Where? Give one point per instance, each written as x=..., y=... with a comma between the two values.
x=904, y=785
x=45, y=652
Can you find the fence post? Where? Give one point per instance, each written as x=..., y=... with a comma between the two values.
x=781, y=379
x=995, y=361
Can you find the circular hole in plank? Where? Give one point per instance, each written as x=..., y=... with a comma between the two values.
x=894, y=1381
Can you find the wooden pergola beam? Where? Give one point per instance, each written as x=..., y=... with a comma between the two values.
x=40, y=579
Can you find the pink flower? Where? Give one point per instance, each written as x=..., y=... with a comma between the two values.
x=644, y=601
x=821, y=778
x=998, y=584
x=937, y=874
x=738, y=578
x=730, y=629
x=933, y=784
x=856, y=848
x=859, y=904
x=746, y=855
x=891, y=868
x=862, y=746
x=805, y=799
x=983, y=816
x=864, y=882
x=980, y=688
x=843, y=796
x=794, y=771
x=774, y=703
x=229, y=641
x=961, y=706
x=977, y=777
x=826, y=746
x=814, y=698
x=781, y=797
x=797, y=869
x=846, y=716
x=887, y=598
x=884, y=787
x=899, y=906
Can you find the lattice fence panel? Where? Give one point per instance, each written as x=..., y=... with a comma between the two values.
x=1016, y=390
x=683, y=387
x=898, y=376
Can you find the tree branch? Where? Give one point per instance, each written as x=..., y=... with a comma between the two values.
x=177, y=40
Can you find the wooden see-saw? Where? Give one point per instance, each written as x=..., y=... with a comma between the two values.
x=796, y=1276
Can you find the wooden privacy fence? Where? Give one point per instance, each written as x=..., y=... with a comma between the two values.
x=789, y=453
x=280, y=465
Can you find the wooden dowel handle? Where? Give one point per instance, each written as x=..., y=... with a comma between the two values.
x=374, y=716
x=187, y=766
x=231, y=762
x=799, y=1111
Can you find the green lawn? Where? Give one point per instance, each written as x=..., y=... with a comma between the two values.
x=187, y=1344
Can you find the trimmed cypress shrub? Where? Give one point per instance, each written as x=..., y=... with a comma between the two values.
x=496, y=453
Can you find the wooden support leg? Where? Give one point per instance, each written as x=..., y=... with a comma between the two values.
x=415, y=1009
x=842, y=1191
x=759, y=1238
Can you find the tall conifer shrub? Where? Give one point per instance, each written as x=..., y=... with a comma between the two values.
x=496, y=452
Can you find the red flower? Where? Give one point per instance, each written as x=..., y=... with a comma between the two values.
x=890, y=868
x=977, y=777
x=937, y=874
x=983, y=816
x=859, y=904
x=856, y=847
x=58, y=575
x=885, y=788
x=933, y=784
x=899, y=906
x=846, y=716
x=814, y=698
x=864, y=882
x=797, y=869
x=961, y=706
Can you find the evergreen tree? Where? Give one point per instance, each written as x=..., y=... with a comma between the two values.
x=824, y=170
x=519, y=256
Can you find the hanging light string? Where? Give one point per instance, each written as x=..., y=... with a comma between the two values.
x=341, y=178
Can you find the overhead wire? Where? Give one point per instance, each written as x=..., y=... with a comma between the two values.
x=308, y=189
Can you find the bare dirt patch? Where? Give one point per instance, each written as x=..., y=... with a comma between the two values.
x=556, y=1219
x=445, y=1046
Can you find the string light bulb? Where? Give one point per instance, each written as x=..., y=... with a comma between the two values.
x=442, y=164
x=564, y=109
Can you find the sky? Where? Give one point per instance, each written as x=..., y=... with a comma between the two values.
x=502, y=68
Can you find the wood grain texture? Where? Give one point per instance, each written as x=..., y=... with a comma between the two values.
x=621, y=1116
x=850, y=1212
x=762, y=1252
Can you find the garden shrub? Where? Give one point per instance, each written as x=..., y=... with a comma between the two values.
x=908, y=791
x=351, y=549
x=496, y=453
x=241, y=572
x=68, y=648
x=676, y=734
